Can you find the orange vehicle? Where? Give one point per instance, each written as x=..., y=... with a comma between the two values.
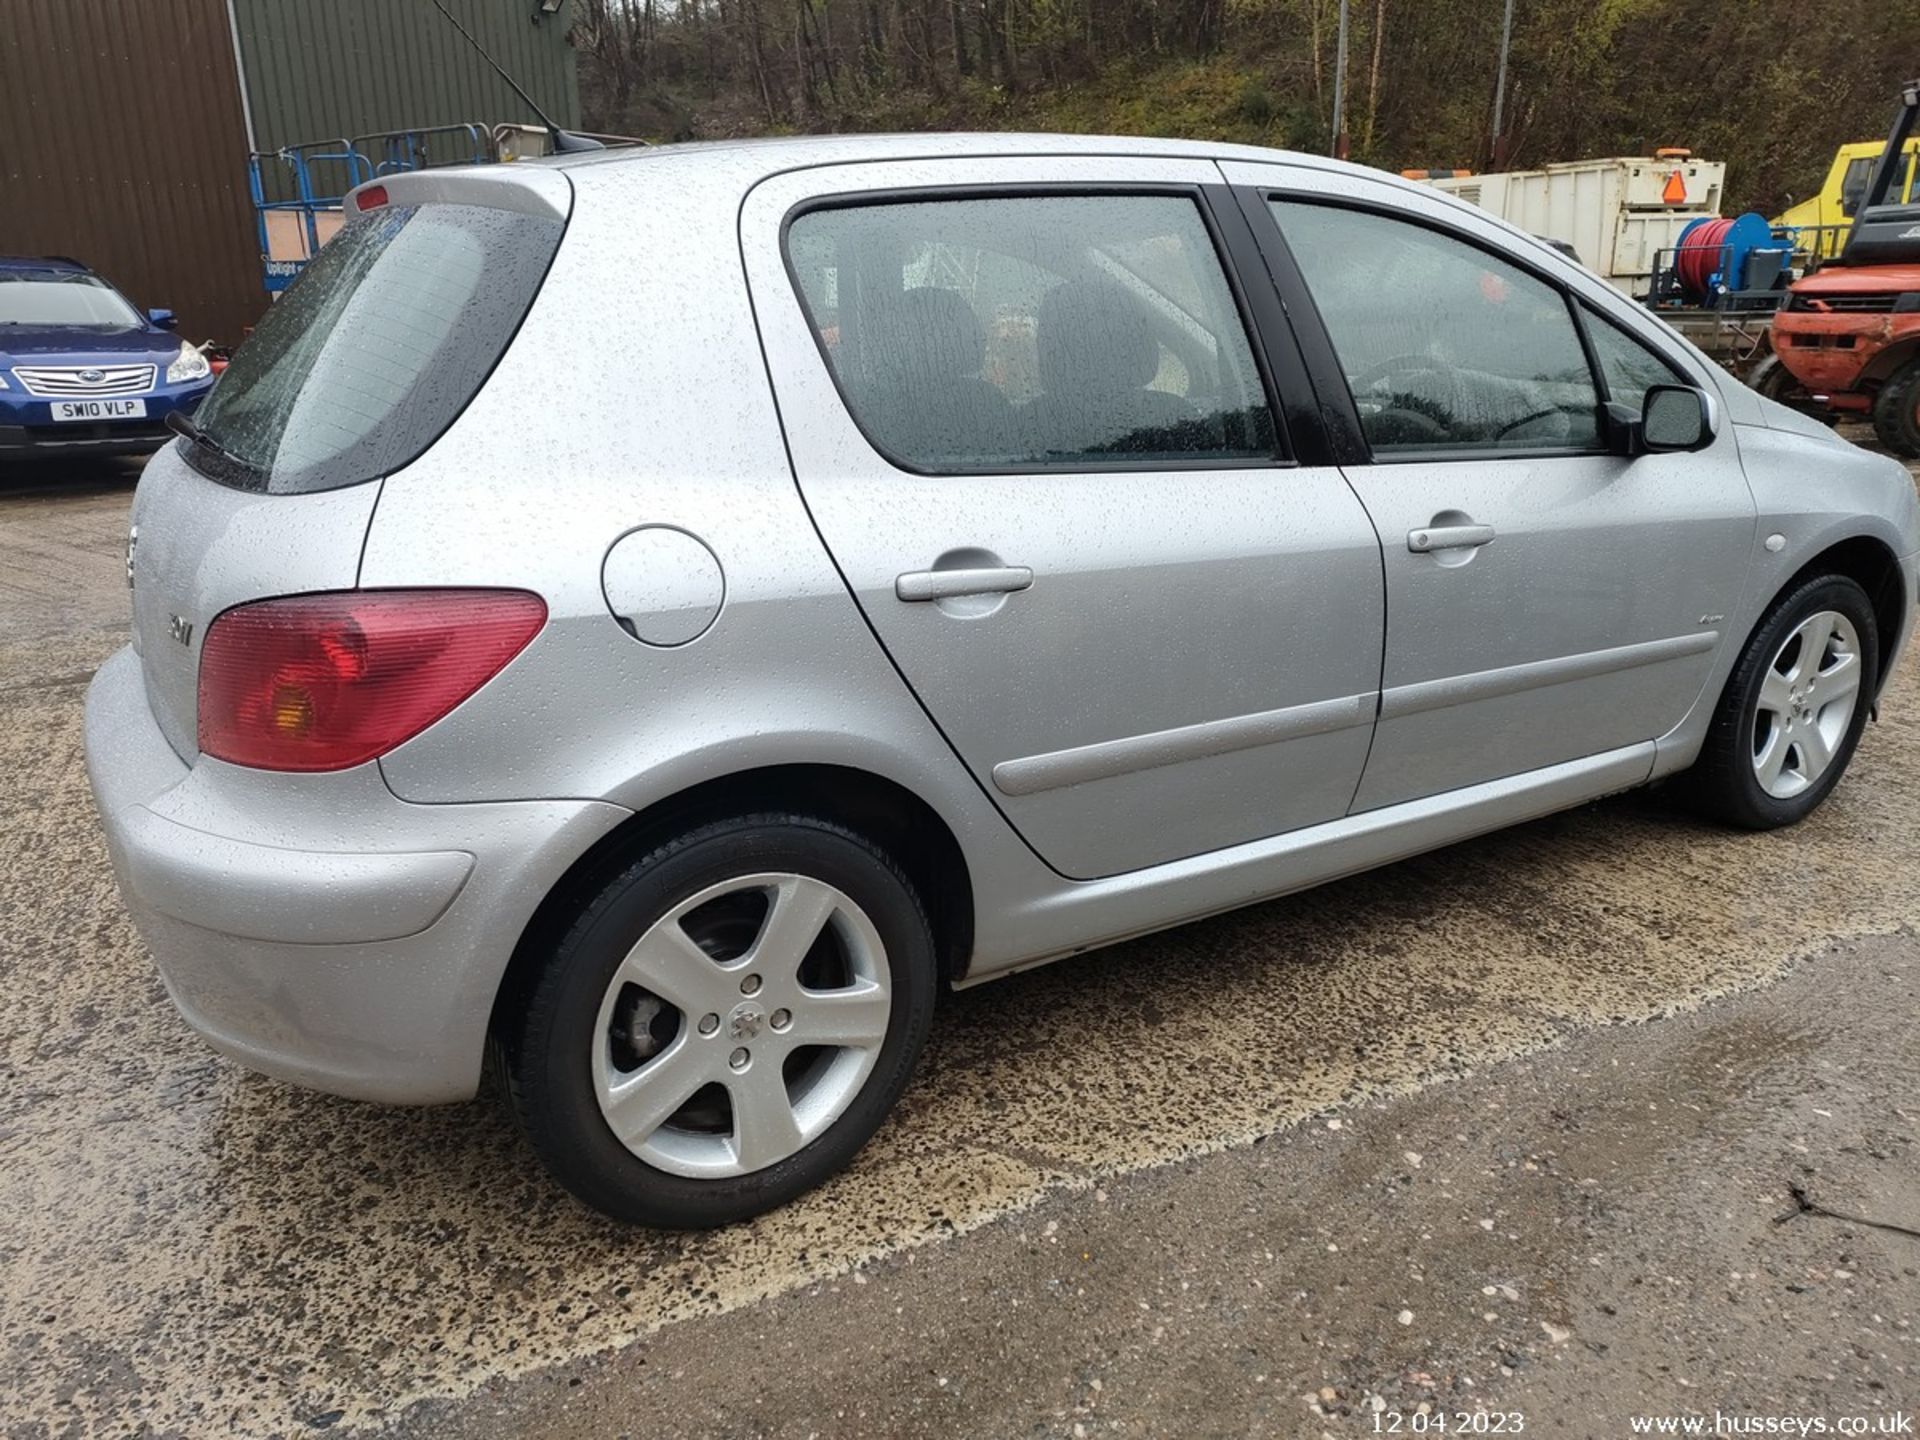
x=1850, y=332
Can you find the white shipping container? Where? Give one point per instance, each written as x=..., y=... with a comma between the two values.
x=1614, y=212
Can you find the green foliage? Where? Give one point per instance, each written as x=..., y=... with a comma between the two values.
x=1257, y=105
x=1199, y=100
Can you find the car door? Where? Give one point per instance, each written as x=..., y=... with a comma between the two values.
x=1547, y=599
x=1034, y=430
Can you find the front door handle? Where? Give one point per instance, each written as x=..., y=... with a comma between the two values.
x=1448, y=537
x=947, y=584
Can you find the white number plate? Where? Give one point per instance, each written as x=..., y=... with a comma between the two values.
x=99, y=409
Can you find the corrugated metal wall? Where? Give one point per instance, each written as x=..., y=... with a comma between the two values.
x=352, y=67
x=122, y=144
x=123, y=141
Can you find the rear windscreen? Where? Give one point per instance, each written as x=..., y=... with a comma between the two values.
x=374, y=351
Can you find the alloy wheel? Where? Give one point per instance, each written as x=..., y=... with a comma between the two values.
x=741, y=1025
x=1807, y=700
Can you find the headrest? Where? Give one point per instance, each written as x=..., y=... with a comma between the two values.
x=1094, y=338
x=934, y=333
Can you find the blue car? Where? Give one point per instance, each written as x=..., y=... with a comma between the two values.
x=81, y=370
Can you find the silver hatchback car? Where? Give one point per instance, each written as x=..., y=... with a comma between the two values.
x=657, y=618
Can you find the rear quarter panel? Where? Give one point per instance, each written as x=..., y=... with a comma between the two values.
x=636, y=394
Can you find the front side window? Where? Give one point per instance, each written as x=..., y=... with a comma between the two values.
x=1445, y=346
x=1629, y=368
x=1032, y=331
x=1853, y=185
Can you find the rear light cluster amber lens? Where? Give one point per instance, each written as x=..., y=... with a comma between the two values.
x=326, y=681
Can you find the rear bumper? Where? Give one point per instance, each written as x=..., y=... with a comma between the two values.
x=318, y=928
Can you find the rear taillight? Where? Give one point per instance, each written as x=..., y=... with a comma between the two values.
x=325, y=681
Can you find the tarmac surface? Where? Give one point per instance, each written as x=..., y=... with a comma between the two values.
x=1510, y=1128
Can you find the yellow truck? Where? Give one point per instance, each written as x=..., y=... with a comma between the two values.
x=1823, y=219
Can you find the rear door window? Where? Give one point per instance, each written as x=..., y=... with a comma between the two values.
x=1012, y=333
x=376, y=349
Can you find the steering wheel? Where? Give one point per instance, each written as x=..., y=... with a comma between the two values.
x=1407, y=365
x=1413, y=415
x=1528, y=419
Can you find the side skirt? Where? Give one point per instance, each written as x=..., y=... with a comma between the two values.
x=1083, y=915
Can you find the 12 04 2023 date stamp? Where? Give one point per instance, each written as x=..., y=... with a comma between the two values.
x=1440, y=1421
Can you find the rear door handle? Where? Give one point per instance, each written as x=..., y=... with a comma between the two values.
x=1448, y=537
x=946, y=584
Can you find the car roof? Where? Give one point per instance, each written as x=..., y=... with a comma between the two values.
x=43, y=264
x=788, y=152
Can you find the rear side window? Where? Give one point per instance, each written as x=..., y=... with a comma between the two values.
x=1071, y=331
x=1445, y=346
x=377, y=347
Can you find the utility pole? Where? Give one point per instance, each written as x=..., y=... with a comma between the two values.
x=1498, y=147
x=1340, y=86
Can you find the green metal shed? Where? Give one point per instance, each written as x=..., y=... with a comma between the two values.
x=319, y=69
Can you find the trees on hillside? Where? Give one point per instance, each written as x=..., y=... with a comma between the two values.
x=1767, y=85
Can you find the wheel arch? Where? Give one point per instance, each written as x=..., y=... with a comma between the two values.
x=1891, y=357
x=1870, y=563
x=886, y=812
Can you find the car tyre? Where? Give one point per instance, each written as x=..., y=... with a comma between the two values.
x=1783, y=706
x=570, y=1070
x=1771, y=378
x=1896, y=411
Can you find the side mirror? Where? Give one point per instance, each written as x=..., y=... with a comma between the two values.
x=1671, y=417
x=165, y=319
x=1674, y=417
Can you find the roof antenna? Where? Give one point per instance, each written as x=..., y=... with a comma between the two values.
x=562, y=142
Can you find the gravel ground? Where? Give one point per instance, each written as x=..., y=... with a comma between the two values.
x=1601, y=1231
